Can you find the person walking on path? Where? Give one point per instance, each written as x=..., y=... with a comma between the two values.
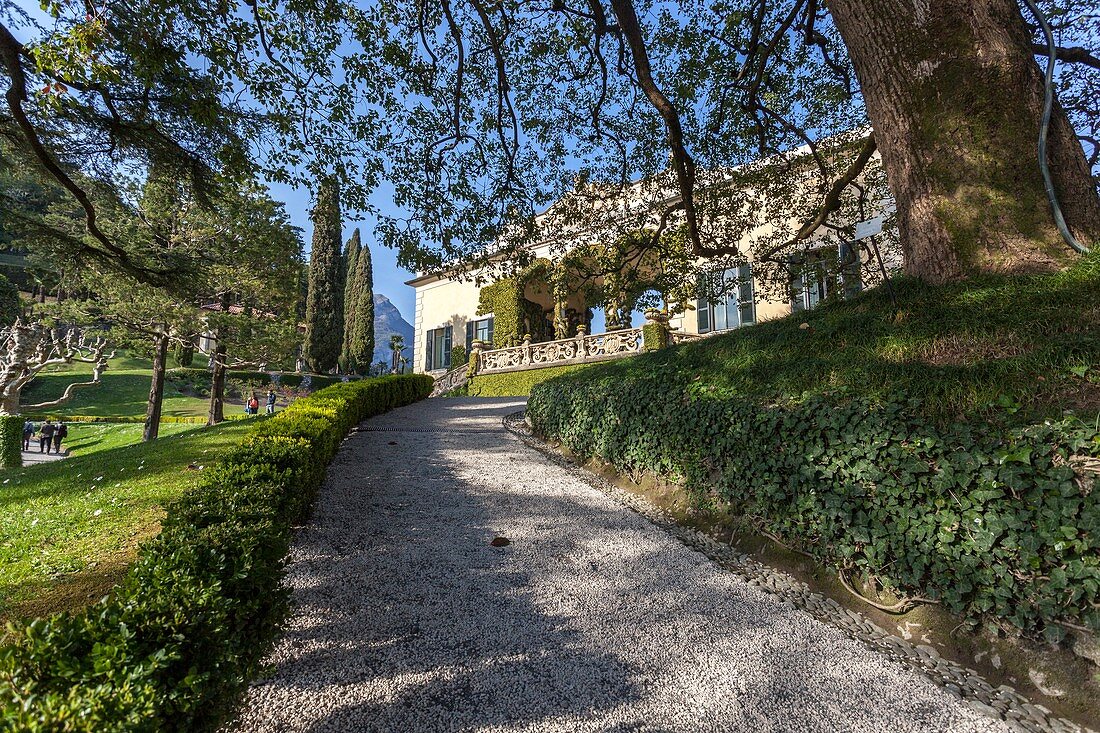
x=45, y=437
x=59, y=434
x=271, y=402
x=28, y=433
x=253, y=404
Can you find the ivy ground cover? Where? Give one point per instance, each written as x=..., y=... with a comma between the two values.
x=945, y=446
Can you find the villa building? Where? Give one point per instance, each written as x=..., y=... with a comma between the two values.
x=451, y=307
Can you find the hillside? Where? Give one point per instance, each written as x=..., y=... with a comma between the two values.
x=993, y=345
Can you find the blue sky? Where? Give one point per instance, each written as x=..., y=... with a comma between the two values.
x=389, y=279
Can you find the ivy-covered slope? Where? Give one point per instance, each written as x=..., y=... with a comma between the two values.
x=943, y=447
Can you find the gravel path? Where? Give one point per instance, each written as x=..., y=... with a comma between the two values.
x=408, y=619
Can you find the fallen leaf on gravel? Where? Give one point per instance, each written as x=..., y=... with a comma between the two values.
x=500, y=542
x=393, y=442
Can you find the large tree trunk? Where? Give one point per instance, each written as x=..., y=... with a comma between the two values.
x=156, y=387
x=955, y=97
x=217, y=386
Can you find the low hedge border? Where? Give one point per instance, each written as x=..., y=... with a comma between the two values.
x=178, y=641
x=515, y=384
x=992, y=520
x=289, y=379
x=11, y=441
x=184, y=419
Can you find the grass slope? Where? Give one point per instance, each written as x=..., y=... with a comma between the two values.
x=1027, y=342
x=69, y=529
x=123, y=392
x=86, y=438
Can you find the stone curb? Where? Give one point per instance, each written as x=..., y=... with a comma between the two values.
x=1000, y=703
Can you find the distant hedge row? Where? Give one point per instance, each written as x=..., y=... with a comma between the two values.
x=175, y=645
x=199, y=376
x=518, y=383
x=183, y=419
x=994, y=521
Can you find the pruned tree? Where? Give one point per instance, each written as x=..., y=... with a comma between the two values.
x=29, y=346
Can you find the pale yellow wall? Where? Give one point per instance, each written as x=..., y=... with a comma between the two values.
x=439, y=304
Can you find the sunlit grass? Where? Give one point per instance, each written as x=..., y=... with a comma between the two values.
x=68, y=529
x=961, y=348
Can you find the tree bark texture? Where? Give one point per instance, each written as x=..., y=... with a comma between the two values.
x=156, y=387
x=217, y=387
x=956, y=97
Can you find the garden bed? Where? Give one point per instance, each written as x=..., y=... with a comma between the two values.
x=944, y=448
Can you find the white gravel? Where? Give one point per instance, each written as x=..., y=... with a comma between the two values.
x=407, y=619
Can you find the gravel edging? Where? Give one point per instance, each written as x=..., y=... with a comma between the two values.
x=1001, y=703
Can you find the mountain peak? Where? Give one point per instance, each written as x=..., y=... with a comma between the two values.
x=387, y=322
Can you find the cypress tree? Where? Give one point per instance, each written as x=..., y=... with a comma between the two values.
x=351, y=259
x=362, y=331
x=325, y=296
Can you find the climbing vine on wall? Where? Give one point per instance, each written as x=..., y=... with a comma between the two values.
x=513, y=315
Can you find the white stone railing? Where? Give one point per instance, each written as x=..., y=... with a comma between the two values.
x=454, y=378
x=581, y=348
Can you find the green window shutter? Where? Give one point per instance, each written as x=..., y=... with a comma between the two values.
x=746, y=300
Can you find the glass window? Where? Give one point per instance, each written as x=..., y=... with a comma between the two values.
x=825, y=273
x=481, y=330
x=735, y=309
x=438, y=349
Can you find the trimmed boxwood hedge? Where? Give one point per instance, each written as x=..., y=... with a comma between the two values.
x=988, y=517
x=11, y=441
x=515, y=384
x=177, y=642
x=195, y=375
x=182, y=419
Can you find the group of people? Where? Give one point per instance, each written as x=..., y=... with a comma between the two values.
x=50, y=435
x=252, y=404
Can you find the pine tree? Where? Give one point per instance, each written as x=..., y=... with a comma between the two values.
x=351, y=259
x=324, y=299
x=362, y=332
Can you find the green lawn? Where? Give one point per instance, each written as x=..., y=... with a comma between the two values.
x=69, y=529
x=85, y=438
x=965, y=349
x=123, y=392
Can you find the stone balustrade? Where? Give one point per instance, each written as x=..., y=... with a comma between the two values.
x=581, y=348
x=452, y=379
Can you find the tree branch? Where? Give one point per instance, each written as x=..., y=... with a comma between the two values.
x=1070, y=54
x=833, y=198
x=11, y=52
x=97, y=373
